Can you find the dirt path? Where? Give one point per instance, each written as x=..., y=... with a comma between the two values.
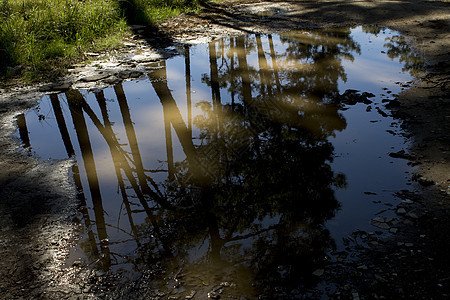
x=37, y=200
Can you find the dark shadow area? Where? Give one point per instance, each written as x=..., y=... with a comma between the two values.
x=143, y=27
x=134, y=13
x=308, y=14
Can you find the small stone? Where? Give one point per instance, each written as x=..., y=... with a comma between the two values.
x=389, y=219
x=380, y=224
x=213, y=295
x=400, y=211
x=113, y=80
x=378, y=219
x=408, y=222
x=412, y=215
x=46, y=88
x=96, y=77
x=393, y=230
x=379, y=278
x=318, y=272
x=362, y=267
x=61, y=87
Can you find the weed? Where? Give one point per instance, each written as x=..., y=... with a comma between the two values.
x=46, y=36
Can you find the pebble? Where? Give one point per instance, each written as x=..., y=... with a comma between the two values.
x=379, y=222
x=412, y=215
x=408, y=222
x=95, y=77
x=213, y=295
x=362, y=267
x=318, y=272
x=378, y=219
x=381, y=225
x=379, y=278
x=400, y=211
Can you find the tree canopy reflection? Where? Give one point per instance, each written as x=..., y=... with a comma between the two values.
x=249, y=201
x=258, y=184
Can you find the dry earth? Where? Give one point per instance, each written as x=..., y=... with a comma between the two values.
x=38, y=202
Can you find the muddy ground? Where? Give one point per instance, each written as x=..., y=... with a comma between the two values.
x=38, y=203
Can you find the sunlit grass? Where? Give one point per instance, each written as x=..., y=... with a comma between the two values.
x=46, y=36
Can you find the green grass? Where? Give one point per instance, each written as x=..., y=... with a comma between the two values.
x=45, y=36
x=154, y=11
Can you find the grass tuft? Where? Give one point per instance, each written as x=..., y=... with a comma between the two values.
x=46, y=36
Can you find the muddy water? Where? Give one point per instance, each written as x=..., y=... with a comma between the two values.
x=243, y=161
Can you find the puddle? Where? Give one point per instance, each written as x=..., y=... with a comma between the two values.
x=236, y=167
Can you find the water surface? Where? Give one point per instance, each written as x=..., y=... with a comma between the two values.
x=243, y=161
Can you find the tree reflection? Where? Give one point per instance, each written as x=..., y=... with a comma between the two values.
x=397, y=47
x=266, y=185
x=255, y=188
x=249, y=198
x=75, y=100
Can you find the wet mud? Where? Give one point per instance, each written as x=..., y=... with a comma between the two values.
x=82, y=218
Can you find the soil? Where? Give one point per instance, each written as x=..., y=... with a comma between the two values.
x=38, y=201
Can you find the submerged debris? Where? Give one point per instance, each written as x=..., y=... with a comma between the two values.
x=351, y=97
x=402, y=154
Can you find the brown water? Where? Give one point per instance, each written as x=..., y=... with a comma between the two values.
x=243, y=161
